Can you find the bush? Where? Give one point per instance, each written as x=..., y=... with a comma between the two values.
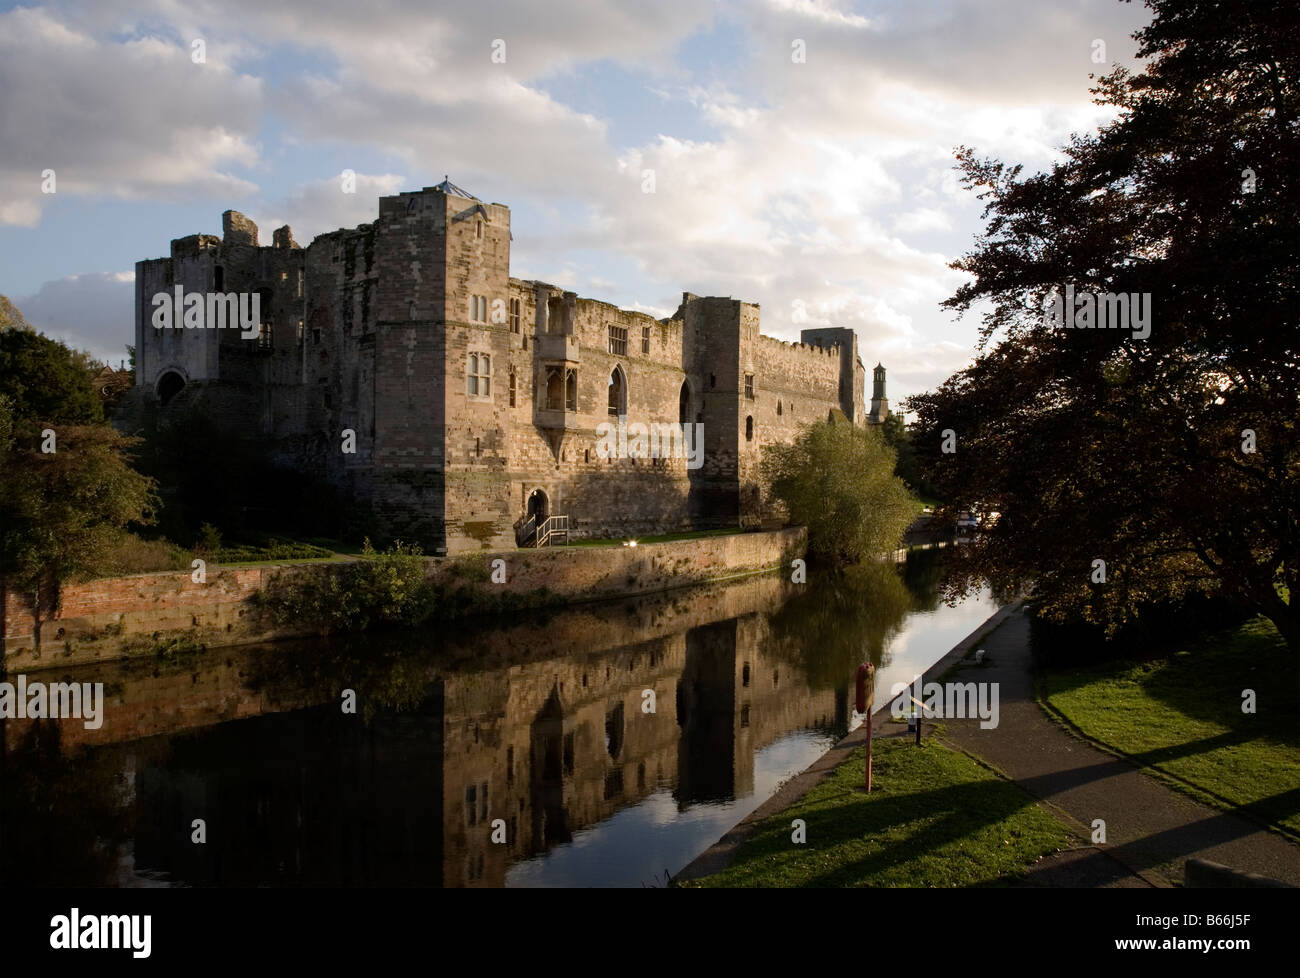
x=389, y=588
x=131, y=554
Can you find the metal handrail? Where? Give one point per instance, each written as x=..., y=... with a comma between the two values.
x=527, y=531
x=552, y=526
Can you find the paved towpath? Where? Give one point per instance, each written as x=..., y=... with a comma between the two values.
x=1150, y=828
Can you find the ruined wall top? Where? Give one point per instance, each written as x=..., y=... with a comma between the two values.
x=280, y=237
x=237, y=229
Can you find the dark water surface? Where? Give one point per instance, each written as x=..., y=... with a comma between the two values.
x=539, y=731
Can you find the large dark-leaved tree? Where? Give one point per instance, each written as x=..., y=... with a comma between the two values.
x=1092, y=445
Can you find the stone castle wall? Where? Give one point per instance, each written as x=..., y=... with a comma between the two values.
x=374, y=331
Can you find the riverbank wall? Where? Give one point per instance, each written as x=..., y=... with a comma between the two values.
x=153, y=614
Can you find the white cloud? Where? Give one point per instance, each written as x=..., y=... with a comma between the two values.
x=922, y=219
x=133, y=119
x=92, y=312
x=321, y=206
x=808, y=185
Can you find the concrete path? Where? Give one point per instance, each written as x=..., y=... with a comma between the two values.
x=1150, y=828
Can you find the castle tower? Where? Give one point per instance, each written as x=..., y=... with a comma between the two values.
x=879, y=404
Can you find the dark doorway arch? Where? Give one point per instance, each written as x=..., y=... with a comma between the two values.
x=539, y=506
x=684, y=404
x=169, y=385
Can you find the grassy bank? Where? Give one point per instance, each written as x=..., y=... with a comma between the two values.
x=1179, y=712
x=934, y=818
x=660, y=538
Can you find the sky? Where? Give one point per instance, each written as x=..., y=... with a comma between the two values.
x=799, y=152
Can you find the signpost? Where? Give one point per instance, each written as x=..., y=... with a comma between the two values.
x=865, y=699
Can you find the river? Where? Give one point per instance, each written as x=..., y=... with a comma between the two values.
x=602, y=745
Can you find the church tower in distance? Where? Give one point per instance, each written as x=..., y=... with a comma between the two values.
x=879, y=405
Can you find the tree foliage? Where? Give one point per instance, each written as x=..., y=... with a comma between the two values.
x=1091, y=444
x=42, y=377
x=838, y=480
x=67, y=490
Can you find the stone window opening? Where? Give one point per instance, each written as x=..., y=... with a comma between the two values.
x=478, y=447
x=778, y=409
x=713, y=382
x=471, y=805
x=478, y=375
x=315, y=334
x=302, y=333
x=684, y=404
x=478, y=229
x=645, y=340
x=749, y=386
x=554, y=389
x=618, y=340
x=749, y=428
x=512, y=386
x=617, y=393
x=586, y=457
x=571, y=390
x=218, y=279
x=744, y=675
x=514, y=315
x=265, y=332
x=478, y=308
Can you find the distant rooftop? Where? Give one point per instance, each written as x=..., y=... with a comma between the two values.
x=451, y=190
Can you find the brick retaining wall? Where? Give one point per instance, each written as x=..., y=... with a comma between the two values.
x=117, y=618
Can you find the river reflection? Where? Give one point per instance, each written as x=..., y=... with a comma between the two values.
x=606, y=745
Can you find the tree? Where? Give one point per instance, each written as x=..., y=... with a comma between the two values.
x=838, y=480
x=899, y=439
x=42, y=377
x=66, y=488
x=1175, y=458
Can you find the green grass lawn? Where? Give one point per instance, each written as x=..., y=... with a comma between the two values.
x=661, y=538
x=934, y=818
x=1180, y=713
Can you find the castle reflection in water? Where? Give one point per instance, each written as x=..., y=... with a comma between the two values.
x=543, y=725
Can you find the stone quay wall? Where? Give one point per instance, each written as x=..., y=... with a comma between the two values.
x=145, y=614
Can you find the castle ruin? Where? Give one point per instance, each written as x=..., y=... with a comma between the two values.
x=401, y=361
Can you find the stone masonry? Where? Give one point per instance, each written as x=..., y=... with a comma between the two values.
x=471, y=400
